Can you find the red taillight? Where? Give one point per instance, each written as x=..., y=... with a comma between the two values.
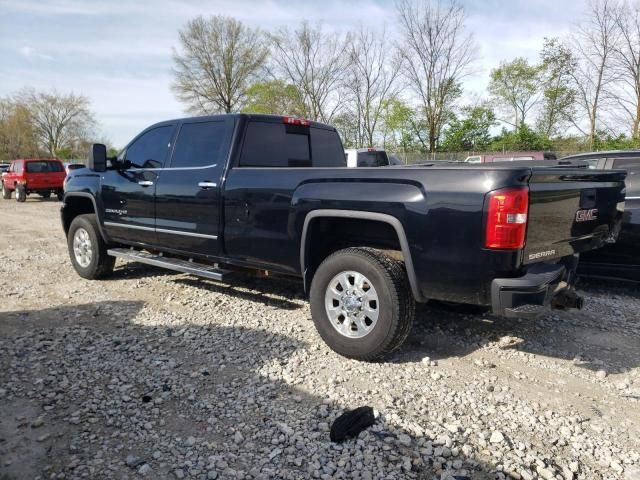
x=295, y=121
x=507, y=218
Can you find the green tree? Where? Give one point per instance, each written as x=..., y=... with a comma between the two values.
x=515, y=87
x=558, y=95
x=397, y=128
x=470, y=132
x=347, y=125
x=274, y=97
x=608, y=141
x=17, y=135
x=523, y=139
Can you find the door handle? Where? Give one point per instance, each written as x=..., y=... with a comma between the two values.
x=145, y=183
x=205, y=185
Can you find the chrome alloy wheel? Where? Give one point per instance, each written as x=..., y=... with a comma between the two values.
x=82, y=248
x=352, y=304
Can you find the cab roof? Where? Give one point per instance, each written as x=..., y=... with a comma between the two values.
x=249, y=116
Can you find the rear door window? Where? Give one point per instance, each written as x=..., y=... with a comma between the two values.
x=201, y=144
x=279, y=145
x=326, y=148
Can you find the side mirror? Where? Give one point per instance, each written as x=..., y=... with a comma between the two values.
x=97, y=160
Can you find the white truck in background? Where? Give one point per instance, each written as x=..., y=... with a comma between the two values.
x=370, y=157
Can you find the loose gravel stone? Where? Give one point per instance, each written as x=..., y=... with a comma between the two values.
x=496, y=437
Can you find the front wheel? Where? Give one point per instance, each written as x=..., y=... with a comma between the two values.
x=87, y=249
x=6, y=193
x=361, y=303
x=21, y=193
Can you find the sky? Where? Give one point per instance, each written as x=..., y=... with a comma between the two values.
x=118, y=53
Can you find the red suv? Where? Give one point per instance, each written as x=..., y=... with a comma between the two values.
x=43, y=176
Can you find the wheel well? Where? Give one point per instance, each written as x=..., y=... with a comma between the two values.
x=326, y=235
x=74, y=206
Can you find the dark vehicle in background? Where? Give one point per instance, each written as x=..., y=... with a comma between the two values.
x=215, y=196
x=4, y=167
x=69, y=167
x=510, y=157
x=621, y=260
x=43, y=176
x=395, y=160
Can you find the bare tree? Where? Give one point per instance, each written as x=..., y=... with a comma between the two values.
x=438, y=54
x=370, y=80
x=627, y=62
x=60, y=122
x=594, y=45
x=219, y=57
x=314, y=62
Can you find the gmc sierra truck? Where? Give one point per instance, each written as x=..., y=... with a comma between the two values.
x=215, y=196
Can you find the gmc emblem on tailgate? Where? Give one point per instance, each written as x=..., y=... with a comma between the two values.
x=587, y=215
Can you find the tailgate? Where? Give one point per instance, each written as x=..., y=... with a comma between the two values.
x=45, y=180
x=572, y=211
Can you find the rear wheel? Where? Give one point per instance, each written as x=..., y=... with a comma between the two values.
x=361, y=303
x=6, y=193
x=87, y=249
x=60, y=195
x=21, y=193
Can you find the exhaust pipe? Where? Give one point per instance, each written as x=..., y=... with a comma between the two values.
x=567, y=298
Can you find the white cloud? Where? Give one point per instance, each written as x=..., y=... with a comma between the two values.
x=32, y=53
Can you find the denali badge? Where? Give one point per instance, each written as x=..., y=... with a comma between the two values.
x=546, y=253
x=587, y=215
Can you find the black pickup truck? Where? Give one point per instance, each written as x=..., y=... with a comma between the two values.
x=213, y=196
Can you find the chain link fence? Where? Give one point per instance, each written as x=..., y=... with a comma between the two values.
x=412, y=158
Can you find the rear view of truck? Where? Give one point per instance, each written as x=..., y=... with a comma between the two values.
x=562, y=212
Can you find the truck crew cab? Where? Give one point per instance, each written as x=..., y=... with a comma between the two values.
x=214, y=195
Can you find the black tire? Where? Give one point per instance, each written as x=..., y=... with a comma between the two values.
x=396, y=303
x=60, y=195
x=45, y=194
x=21, y=193
x=100, y=264
x=6, y=193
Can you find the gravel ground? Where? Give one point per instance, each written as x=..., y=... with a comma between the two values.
x=160, y=375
